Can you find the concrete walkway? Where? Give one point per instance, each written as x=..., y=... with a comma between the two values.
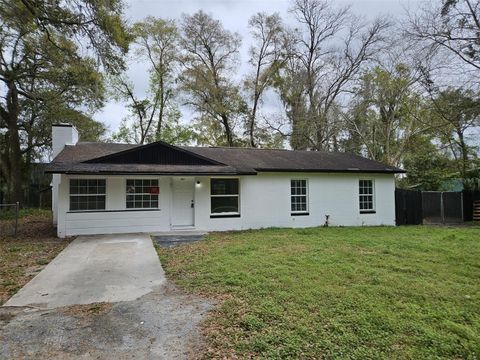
x=100, y=268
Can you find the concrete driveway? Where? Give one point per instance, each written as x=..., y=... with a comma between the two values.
x=101, y=268
x=163, y=324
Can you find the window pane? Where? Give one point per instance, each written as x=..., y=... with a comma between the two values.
x=298, y=199
x=90, y=190
x=74, y=186
x=74, y=203
x=142, y=193
x=87, y=202
x=303, y=189
x=101, y=186
x=87, y=186
x=365, y=189
x=224, y=186
x=224, y=204
x=299, y=203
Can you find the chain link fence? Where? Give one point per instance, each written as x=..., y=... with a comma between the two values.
x=9, y=219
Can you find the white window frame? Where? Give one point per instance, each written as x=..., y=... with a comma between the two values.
x=307, y=196
x=85, y=195
x=142, y=194
x=225, y=214
x=372, y=195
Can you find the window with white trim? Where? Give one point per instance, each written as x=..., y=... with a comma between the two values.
x=87, y=194
x=366, y=191
x=142, y=194
x=224, y=197
x=298, y=196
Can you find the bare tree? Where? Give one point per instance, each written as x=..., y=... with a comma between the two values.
x=453, y=26
x=210, y=56
x=330, y=50
x=140, y=129
x=267, y=56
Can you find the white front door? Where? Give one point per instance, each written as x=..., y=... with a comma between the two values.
x=183, y=202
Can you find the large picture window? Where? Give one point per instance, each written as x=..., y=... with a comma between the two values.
x=367, y=196
x=299, y=197
x=224, y=197
x=87, y=194
x=142, y=194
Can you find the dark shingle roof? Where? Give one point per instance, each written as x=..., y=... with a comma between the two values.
x=73, y=159
x=288, y=160
x=89, y=150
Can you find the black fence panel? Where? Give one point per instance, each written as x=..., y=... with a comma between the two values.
x=468, y=199
x=452, y=207
x=408, y=207
x=442, y=207
x=432, y=207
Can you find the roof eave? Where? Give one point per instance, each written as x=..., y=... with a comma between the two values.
x=210, y=173
x=148, y=173
x=359, y=171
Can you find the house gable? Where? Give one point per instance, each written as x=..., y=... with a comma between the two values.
x=158, y=153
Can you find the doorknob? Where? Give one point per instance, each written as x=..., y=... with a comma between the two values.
x=192, y=204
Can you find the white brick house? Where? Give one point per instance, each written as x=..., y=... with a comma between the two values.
x=103, y=188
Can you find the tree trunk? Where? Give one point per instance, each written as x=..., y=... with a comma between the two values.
x=163, y=102
x=13, y=144
x=464, y=150
x=252, y=127
x=228, y=131
x=158, y=135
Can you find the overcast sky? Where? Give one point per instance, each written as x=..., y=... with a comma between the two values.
x=234, y=14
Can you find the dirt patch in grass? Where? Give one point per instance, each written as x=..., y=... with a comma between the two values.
x=24, y=256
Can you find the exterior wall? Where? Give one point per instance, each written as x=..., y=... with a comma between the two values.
x=55, y=183
x=264, y=202
x=116, y=218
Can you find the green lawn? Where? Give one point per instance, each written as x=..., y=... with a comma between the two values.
x=400, y=293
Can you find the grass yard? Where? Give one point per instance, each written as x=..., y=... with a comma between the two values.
x=399, y=293
x=23, y=257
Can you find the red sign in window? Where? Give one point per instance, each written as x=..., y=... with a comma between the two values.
x=154, y=190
